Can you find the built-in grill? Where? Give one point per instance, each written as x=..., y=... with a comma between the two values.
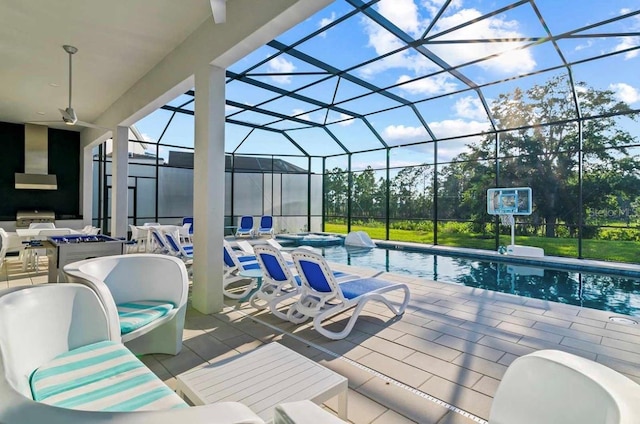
x=24, y=218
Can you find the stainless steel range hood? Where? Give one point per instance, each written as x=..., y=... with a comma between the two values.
x=36, y=160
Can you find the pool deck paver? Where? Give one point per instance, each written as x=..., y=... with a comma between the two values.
x=453, y=343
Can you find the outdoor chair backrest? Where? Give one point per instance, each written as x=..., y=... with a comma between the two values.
x=228, y=255
x=174, y=246
x=273, y=263
x=246, y=222
x=266, y=221
x=188, y=220
x=158, y=239
x=316, y=274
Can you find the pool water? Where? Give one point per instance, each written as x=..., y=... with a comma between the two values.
x=619, y=294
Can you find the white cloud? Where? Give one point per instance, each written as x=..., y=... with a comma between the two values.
x=341, y=119
x=345, y=120
x=434, y=6
x=281, y=65
x=300, y=114
x=406, y=15
x=326, y=21
x=448, y=128
x=471, y=108
x=509, y=62
x=586, y=45
x=457, y=128
x=625, y=92
x=625, y=43
x=433, y=85
x=408, y=134
x=403, y=14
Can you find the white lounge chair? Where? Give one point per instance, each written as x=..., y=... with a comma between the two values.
x=280, y=280
x=266, y=226
x=145, y=294
x=550, y=386
x=158, y=241
x=322, y=297
x=245, y=228
x=184, y=252
x=233, y=265
x=45, y=326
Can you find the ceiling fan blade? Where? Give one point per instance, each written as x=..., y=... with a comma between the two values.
x=219, y=11
x=90, y=125
x=45, y=123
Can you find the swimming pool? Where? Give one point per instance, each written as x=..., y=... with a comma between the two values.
x=619, y=294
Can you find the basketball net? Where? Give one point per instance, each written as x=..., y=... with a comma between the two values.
x=507, y=220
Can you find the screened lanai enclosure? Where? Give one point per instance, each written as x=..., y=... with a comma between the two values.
x=396, y=116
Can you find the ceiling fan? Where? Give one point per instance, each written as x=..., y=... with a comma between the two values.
x=69, y=116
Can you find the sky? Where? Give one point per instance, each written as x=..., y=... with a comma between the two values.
x=488, y=53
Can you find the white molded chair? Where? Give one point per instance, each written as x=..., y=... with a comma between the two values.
x=40, y=323
x=184, y=252
x=280, y=280
x=322, y=297
x=185, y=233
x=123, y=282
x=158, y=243
x=245, y=228
x=266, y=226
x=233, y=264
x=550, y=386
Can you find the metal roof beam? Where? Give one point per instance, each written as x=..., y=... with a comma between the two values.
x=335, y=71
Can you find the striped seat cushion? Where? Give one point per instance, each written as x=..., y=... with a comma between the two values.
x=134, y=315
x=103, y=376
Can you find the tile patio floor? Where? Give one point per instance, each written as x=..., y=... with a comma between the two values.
x=454, y=343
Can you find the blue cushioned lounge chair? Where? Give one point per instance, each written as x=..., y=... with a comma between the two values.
x=233, y=265
x=322, y=297
x=280, y=281
x=246, y=227
x=183, y=252
x=266, y=226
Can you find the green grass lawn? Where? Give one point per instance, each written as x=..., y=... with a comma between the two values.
x=617, y=251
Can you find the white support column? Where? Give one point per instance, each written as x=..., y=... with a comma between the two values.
x=119, y=185
x=208, y=187
x=86, y=183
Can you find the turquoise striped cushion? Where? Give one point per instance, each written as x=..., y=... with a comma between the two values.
x=134, y=315
x=103, y=376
